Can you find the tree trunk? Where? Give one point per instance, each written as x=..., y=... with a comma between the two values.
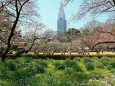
x=106, y=42
x=4, y=56
x=114, y=2
x=25, y=51
x=18, y=11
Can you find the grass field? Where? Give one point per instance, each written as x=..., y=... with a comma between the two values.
x=26, y=71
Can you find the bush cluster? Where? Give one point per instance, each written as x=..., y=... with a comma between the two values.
x=27, y=71
x=59, y=65
x=73, y=64
x=89, y=66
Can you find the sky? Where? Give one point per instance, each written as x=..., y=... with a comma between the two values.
x=49, y=9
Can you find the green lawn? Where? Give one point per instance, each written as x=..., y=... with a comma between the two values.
x=47, y=72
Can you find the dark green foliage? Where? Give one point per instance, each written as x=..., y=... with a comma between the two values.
x=38, y=66
x=86, y=60
x=81, y=76
x=10, y=64
x=105, y=61
x=42, y=63
x=70, y=31
x=49, y=79
x=89, y=66
x=39, y=69
x=57, y=57
x=64, y=83
x=3, y=71
x=4, y=83
x=77, y=59
x=77, y=68
x=112, y=64
x=35, y=68
x=25, y=81
x=27, y=71
x=109, y=67
x=70, y=63
x=73, y=64
x=101, y=66
x=68, y=71
x=59, y=65
x=22, y=73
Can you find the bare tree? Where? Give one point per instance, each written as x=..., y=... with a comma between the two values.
x=88, y=38
x=96, y=7
x=16, y=8
x=32, y=36
x=109, y=29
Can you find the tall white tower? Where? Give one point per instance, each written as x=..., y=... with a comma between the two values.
x=61, y=22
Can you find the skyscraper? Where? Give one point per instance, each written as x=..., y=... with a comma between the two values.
x=61, y=22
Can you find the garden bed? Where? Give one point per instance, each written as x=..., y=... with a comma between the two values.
x=27, y=71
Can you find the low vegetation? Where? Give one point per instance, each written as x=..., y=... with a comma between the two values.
x=26, y=71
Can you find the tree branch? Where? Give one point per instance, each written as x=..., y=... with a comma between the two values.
x=106, y=32
x=19, y=2
x=16, y=6
x=87, y=44
x=27, y=50
x=23, y=5
x=106, y=42
x=113, y=2
x=18, y=11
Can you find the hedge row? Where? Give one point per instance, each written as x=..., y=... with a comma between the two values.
x=59, y=57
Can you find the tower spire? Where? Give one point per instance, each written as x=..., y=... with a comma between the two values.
x=61, y=23
x=61, y=11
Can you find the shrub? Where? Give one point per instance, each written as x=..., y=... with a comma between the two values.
x=49, y=79
x=81, y=76
x=73, y=64
x=112, y=64
x=10, y=64
x=68, y=71
x=86, y=60
x=101, y=66
x=77, y=68
x=64, y=83
x=70, y=63
x=59, y=66
x=105, y=61
x=89, y=66
x=5, y=73
x=26, y=81
x=113, y=71
x=4, y=83
x=21, y=73
x=23, y=60
x=39, y=69
x=77, y=59
x=42, y=63
x=35, y=68
x=109, y=67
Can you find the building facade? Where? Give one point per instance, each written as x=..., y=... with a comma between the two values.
x=61, y=22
